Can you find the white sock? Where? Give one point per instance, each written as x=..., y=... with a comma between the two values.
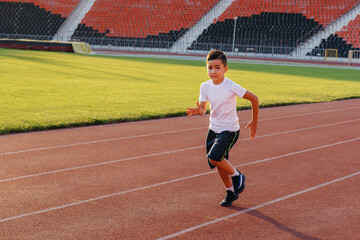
x=230, y=189
x=236, y=173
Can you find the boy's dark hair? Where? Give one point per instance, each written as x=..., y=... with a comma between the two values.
x=217, y=55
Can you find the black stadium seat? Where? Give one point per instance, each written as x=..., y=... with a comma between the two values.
x=27, y=19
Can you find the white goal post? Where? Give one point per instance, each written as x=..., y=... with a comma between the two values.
x=354, y=56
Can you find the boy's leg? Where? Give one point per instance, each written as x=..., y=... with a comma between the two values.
x=225, y=178
x=229, y=175
x=225, y=170
x=217, y=147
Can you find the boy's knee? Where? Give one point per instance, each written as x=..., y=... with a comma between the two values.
x=214, y=162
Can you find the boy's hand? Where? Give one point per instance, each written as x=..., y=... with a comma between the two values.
x=193, y=111
x=252, y=127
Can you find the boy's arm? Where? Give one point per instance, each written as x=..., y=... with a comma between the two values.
x=199, y=110
x=252, y=125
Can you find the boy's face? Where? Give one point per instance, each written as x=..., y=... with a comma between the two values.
x=216, y=71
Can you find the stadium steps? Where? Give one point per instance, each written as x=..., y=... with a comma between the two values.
x=331, y=29
x=73, y=20
x=193, y=33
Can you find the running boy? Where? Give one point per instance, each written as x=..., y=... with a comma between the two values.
x=224, y=127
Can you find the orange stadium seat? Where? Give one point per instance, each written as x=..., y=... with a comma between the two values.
x=61, y=7
x=351, y=33
x=143, y=18
x=296, y=20
x=322, y=11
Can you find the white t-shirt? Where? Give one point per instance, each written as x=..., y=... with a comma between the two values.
x=222, y=98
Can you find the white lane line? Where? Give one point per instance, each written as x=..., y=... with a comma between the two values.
x=307, y=128
x=98, y=141
x=155, y=134
x=257, y=207
x=163, y=153
x=98, y=164
x=166, y=182
x=298, y=152
x=311, y=113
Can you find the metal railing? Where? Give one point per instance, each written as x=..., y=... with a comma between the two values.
x=141, y=45
x=26, y=36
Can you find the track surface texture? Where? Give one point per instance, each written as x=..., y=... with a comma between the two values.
x=150, y=179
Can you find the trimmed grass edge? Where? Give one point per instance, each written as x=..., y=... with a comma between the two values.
x=94, y=122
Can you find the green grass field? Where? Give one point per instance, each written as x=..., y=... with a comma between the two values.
x=43, y=90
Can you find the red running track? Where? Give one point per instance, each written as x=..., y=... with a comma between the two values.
x=150, y=179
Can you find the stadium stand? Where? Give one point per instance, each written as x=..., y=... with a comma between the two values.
x=38, y=18
x=265, y=29
x=260, y=24
x=332, y=42
x=285, y=23
x=138, y=22
x=322, y=11
x=60, y=7
x=346, y=39
x=351, y=33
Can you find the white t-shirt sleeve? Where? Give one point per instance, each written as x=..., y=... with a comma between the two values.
x=202, y=96
x=238, y=90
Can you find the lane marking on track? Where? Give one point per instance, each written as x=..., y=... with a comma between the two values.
x=163, y=153
x=297, y=152
x=228, y=220
x=164, y=183
x=257, y=207
x=155, y=134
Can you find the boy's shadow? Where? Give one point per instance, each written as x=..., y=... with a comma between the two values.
x=277, y=224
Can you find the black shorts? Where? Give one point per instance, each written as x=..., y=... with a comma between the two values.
x=218, y=145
